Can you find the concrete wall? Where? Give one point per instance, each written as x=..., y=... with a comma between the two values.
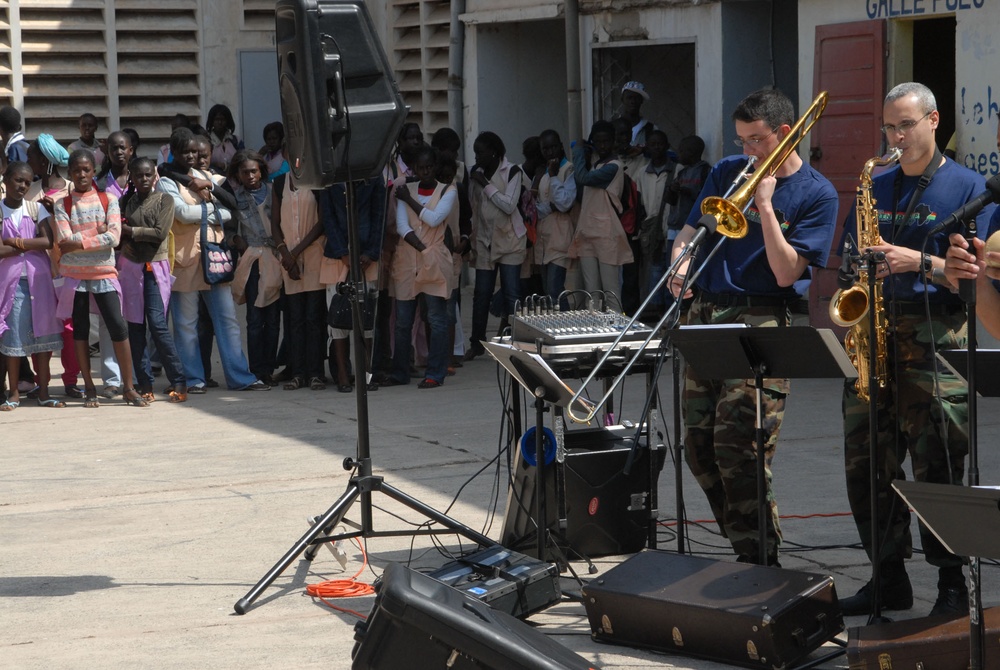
x=977, y=60
x=757, y=33
x=223, y=40
x=517, y=82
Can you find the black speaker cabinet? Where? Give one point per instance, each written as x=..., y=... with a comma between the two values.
x=419, y=623
x=607, y=511
x=340, y=104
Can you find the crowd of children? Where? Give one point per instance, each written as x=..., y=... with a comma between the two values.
x=164, y=249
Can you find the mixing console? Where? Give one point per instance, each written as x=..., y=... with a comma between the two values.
x=576, y=327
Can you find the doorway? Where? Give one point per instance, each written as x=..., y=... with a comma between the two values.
x=666, y=70
x=934, y=66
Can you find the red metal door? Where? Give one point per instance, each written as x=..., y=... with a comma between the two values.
x=850, y=66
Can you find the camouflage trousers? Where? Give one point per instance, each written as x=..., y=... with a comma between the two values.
x=720, y=436
x=931, y=426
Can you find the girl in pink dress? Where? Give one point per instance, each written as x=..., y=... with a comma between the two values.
x=28, y=323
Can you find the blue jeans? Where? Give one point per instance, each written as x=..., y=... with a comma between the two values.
x=555, y=282
x=111, y=372
x=263, y=328
x=437, y=354
x=657, y=268
x=306, y=335
x=510, y=283
x=156, y=322
x=222, y=311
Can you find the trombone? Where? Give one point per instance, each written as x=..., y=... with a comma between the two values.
x=728, y=210
x=722, y=214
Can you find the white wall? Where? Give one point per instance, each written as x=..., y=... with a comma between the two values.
x=977, y=60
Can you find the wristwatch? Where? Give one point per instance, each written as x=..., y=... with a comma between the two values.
x=927, y=264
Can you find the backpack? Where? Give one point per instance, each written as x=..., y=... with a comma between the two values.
x=68, y=203
x=632, y=212
x=528, y=208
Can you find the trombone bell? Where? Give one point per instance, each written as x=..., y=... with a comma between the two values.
x=731, y=222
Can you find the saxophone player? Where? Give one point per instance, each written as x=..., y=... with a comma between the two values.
x=751, y=280
x=914, y=418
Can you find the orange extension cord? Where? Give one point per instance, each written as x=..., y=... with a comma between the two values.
x=343, y=588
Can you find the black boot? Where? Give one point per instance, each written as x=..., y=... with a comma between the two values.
x=897, y=594
x=953, y=595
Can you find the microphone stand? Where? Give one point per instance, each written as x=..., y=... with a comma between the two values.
x=871, y=259
x=967, y=291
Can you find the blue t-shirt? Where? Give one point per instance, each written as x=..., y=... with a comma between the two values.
x=805, y=204
x=951, y=187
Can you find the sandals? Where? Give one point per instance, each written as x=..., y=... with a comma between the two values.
x=73, y=391
x=9, y=405
x=196, y=390
x=176, y=397
x=429, y=383
x=317, y=384
x=345, y=388
x=110, y=392
x=294, y=384
x=133, y=398
x=51, y=402
x=91, y=401
x=148, y=396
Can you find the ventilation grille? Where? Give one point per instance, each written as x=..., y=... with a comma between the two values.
x=258, y=14
x=64, y=68
x=420, y=41
x=6, y=57
x=158, y=66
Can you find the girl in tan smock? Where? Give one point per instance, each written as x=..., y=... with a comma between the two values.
x=423, y=266
x=501, y=238
x=298, y=233
x=600, y=241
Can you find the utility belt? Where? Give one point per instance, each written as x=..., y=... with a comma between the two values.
x=742, y=300
x=919, y=308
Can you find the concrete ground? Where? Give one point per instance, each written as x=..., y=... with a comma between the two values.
x=129, y=534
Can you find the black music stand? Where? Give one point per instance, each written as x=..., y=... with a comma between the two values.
x=981, y=382
x=987, y=362
x=534, y=374
x=729, y=351
x=966, y=520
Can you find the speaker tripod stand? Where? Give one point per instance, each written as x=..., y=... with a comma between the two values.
x=364, y=483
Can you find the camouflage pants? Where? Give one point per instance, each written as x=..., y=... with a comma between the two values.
x=914, y=419
x=720, y=436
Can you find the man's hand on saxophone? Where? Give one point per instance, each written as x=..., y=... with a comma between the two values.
x=898, y=259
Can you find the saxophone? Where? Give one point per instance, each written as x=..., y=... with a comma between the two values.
x=850, y=306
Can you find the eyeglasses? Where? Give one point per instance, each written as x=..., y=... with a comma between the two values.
x=905, y=126
x=752, y=141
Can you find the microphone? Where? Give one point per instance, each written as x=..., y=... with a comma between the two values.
x=706, y=226
x=847, y=275
x=967, y=287
x=972, y=207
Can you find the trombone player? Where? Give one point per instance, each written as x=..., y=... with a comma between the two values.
x=919, y=414
x=754, y=279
